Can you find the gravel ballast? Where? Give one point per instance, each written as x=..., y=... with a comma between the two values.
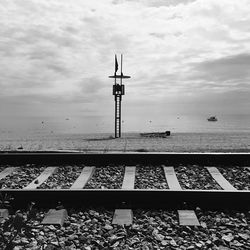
x=151, y=229
x=108, y=177
x=195, y=177
x=150, y=177
x=21, y=177
x=239, y=177
x=63, y=178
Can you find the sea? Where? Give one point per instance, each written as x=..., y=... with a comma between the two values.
x=231, y=133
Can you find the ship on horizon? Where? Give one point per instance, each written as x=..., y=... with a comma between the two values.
x=212, y=119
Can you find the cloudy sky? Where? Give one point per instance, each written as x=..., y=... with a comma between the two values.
x=185, y=57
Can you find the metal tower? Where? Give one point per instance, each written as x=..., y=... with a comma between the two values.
x=118, y=92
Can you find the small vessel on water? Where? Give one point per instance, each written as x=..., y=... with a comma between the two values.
x=212, y=119
x=156, y=134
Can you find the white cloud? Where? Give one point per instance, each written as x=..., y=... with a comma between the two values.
x=60, y=47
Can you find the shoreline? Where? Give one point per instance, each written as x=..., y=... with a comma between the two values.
x=181, y=142
x=140, y=151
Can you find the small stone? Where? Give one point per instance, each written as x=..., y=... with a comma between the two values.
x=244, y=236
x=96, y=214
x=16, y=242
x=173, y=243
x=164, y=242
x=116, y=244
x=108, y=227
x=228, y=237
x=208, y=242
x=203, y=224
x=199, y=245
x=157, y=236
x=40, y=238
x=88, y=221
x=51, y=227
x=223, y=248
x=218, y=220
x=24, y=241
x=73, y=219
x=168, y=238
x=237, y=243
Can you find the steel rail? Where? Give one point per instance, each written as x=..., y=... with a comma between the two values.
x=137, y=198
x=100, y=158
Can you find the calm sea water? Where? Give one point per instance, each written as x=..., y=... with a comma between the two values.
x=188, y=134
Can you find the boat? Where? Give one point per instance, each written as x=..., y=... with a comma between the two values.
x=156, y=134
x=212, y=119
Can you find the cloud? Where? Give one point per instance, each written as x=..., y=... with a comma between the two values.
x=172, y=49
x=157, y=3
x=229, y=71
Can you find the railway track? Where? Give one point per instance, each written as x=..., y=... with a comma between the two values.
x=182, y=187
x=77, y=178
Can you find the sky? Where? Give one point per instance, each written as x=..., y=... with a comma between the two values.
x=185, y=57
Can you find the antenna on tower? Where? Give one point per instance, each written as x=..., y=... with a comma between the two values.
x=118, y=92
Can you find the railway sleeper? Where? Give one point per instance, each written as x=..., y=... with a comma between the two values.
x=120, y=217
x=128, y=178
